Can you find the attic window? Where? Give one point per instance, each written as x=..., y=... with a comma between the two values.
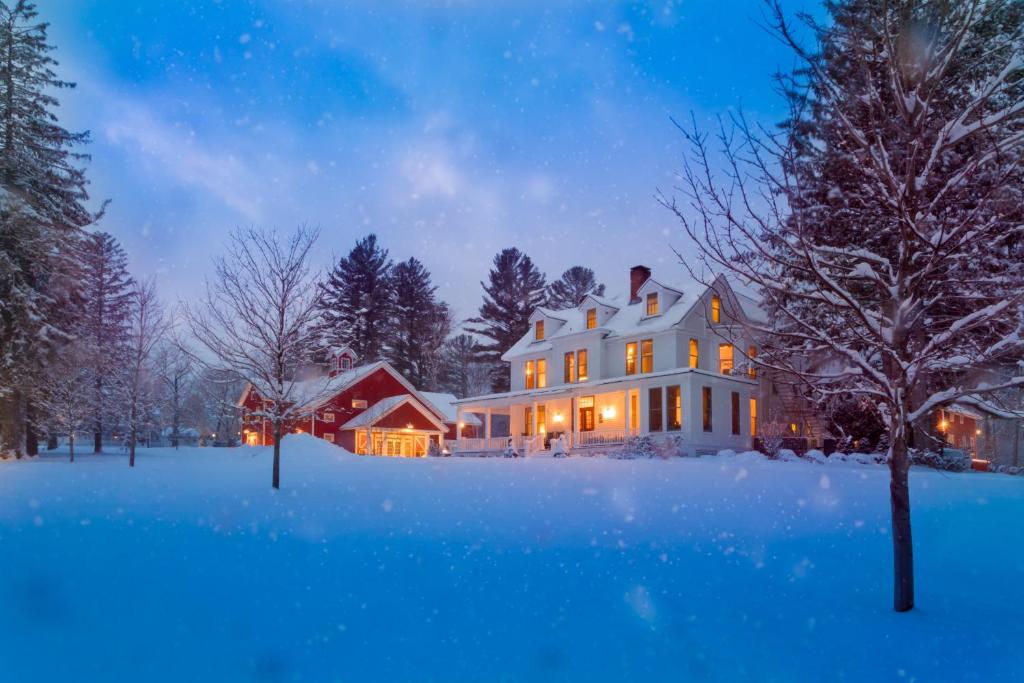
x=591, y=318
x=328, y=417
x=538, y=330
x=716, y=309
x=652, y=304
x=359, y=403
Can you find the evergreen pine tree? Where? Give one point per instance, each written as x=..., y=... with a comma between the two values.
x=419, y=325
x=569, y=290
x=107, y=288
x=355, y=302
x=515, y=288
x=42, y=195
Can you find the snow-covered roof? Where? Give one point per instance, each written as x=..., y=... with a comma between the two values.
x=626, y=320
x=446, y=404
x=312, y=392
x=385, y=406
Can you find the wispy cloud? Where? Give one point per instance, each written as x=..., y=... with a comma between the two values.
x=175, y=152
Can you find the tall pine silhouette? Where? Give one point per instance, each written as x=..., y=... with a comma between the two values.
x=569, y=290
x=515, y=287
x=355, y=302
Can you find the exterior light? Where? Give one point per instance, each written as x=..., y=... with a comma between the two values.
x=461, y=425
x=557, y=417
x=978, y=432
x=943, y=426
x=608, y=413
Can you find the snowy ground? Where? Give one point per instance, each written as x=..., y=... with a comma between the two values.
x=191, y=568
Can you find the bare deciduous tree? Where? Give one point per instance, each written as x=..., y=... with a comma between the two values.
x=175, y=370
x=901, y=277
x=147, y=325
x=257, y=320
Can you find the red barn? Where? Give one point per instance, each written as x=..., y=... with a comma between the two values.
x=368, y=409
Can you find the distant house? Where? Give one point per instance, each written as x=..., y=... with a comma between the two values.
x=669, y=359
x=367, y=409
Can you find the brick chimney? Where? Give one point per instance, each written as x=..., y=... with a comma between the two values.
x=638, y=275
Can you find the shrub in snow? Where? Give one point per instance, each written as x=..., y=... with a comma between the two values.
x=510, y=450
x=1006, y=469
x=772, y=435
x=635, y=447
x=670, y=447
x=817, y=456
x=558, y=449
x=948, y=459
x=434, y=450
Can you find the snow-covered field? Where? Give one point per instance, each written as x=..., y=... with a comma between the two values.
x=190, y=568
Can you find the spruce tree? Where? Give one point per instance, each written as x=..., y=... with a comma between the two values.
x=418, y=326
x=107, y=288
x=355, y=302
x=515, y=288
x=42, y=195
x=569, y=290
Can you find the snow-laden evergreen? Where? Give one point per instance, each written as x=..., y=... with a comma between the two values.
x=418, y=325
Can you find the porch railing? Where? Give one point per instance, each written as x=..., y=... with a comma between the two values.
x=496, y=443
x=603, y=437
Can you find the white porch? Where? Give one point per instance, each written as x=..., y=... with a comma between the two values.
x=582, y=416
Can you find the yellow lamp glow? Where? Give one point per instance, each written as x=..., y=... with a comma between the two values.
x=557, y=417
x=608, y=413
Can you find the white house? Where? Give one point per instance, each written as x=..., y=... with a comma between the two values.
x=667, y=360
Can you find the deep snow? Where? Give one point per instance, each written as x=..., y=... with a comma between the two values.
x=190, y=568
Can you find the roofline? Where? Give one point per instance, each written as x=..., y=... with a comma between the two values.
x=405, y=399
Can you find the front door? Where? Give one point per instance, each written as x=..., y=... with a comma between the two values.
x=587, y=419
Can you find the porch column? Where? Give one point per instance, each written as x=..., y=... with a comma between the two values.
x=533, y=420
x=574, y=412
x=458, y=424
x=487, y=423
x=625, y=412
x=369, y=441
x=645, y=426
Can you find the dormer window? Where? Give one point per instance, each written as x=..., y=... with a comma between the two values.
x=344, y=363
x=591, y=318
x=538, y=330
x=716, y=309
x=652, y=304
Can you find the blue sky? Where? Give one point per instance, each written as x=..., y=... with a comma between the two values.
x=451, y=129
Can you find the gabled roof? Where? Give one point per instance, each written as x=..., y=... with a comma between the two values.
x=601, y=301
x=385, y=407
x=310, y=394
x=630, y=319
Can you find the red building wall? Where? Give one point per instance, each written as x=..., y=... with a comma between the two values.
x=378, y=385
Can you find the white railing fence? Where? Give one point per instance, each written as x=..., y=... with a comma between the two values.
x=603, y=437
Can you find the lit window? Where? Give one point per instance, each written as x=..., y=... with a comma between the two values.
x=591, y=318
x=674, y=398
x=529, y=374
x=581, y=365
x=542, y=373
x=631, y=358
x=528, y=421
x=541, y=420
x=752, y=354
x=706, y=407
x=694, y=353
x=569, y=368
x=716, y=309
x=328, y=417
x=359, y=403
x=647, y=355
x=652, y=303
x=725, y=358
x=753, y=417
x=538, y=330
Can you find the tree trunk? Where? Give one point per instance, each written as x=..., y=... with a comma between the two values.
x=71, y=445
x=98, y=435
x=132, y=434
x=902, y=546
x=277, y=455
x=31, y=438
